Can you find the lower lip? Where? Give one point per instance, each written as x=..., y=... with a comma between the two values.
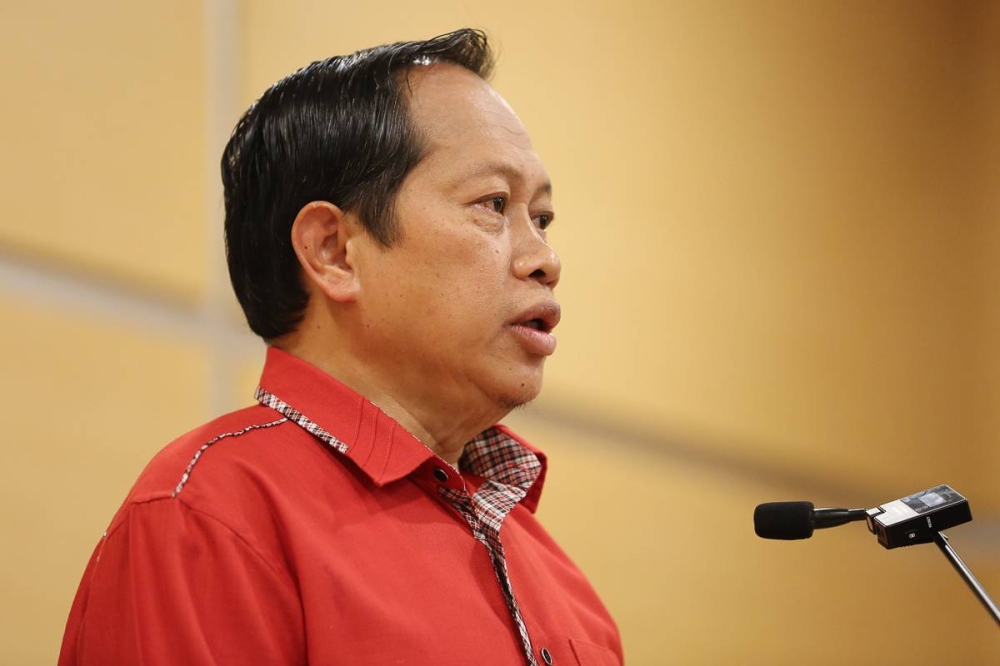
x=535, y=341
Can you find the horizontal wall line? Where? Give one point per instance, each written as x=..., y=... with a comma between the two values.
x=979, y=540
x=38, y=281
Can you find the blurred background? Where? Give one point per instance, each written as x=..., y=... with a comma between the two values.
x=780, y=230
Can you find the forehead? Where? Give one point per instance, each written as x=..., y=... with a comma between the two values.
x=463, y=120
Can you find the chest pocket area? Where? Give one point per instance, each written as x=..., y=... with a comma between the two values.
x=588, y=654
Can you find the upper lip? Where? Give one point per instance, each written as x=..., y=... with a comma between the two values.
x=547, y=313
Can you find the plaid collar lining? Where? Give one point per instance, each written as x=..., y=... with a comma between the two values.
x=300, y=419
x=509, y=470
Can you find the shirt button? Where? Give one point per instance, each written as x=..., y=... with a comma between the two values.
x=440, y=475
x=546, y=656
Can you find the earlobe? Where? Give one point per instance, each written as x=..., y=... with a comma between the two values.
x=320, y=238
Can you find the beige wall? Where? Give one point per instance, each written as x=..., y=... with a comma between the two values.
x=779, y=228
x=987, y=260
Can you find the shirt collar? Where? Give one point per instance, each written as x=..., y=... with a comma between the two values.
x=375, y=442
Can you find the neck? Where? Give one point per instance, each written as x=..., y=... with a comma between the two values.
x=426, y=411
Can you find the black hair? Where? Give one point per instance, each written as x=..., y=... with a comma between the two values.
x=337, y=130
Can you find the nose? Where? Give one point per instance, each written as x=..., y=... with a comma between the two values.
x=534, y=258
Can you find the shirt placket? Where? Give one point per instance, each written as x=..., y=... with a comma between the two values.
x=485, y=518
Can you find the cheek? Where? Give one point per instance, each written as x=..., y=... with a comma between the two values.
x=466, y=291
x=451, y=278
x=483, y=274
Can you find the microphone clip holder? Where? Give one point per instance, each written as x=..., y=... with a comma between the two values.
x=920, y=518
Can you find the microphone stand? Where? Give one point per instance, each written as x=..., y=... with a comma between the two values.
x=942, y=541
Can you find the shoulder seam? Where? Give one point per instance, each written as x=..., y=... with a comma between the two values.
x=204, y=447
x=243, y=539
x=207, y=514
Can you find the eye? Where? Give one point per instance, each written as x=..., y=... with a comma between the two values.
x=498, y=204
x=544, y=220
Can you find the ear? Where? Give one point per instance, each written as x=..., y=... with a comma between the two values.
x=320, y=236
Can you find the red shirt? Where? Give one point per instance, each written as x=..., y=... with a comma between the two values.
x=314, y=529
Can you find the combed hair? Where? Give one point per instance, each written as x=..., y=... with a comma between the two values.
x=337, y=130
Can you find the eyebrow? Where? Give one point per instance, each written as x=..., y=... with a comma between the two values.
x=507, y=170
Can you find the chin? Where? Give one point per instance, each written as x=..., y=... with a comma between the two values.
x=511, y=405
x=520, y=394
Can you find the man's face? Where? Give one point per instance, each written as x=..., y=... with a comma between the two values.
x=461, y=307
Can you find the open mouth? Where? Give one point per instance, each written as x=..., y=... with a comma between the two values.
x=534, y=327
x=537, y=324
x=542, y=317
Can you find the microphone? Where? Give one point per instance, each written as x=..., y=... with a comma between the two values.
x=903, y=522
x=916, y=518
x=797, y=520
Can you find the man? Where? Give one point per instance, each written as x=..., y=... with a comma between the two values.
x=386, y=230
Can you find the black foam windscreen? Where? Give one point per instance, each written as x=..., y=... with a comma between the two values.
x=784, y=520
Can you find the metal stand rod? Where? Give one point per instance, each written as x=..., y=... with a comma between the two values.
x=942, y=541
